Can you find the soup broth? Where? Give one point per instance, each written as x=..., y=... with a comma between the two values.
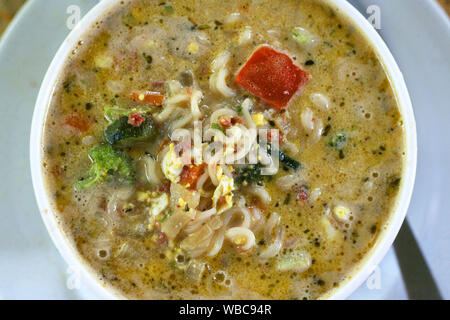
x=153, y=225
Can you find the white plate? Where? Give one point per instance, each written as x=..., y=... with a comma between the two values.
x=415, y=30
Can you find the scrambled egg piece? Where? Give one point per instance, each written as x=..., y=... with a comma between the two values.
x=158, y=202
x=181, y=202
x=193, y=47
x=172, y=165
x=258, y=119
x=223, y=191
x=143, y=196
x=342, y=213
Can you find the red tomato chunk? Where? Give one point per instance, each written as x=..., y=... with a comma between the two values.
x=272, y=76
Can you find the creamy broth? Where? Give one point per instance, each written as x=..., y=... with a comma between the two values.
x=151, y=227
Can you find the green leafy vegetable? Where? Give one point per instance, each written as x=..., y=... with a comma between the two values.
x=107, y=163
x=122, y=133
x=168, y=10
x=216, y=126
x=203, y=27
x=288, y=161
x=301, y=36
x=250, y=174
x=297, y=260
x=338, y=141
x=253, y=174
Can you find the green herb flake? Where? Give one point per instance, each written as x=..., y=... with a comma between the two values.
x=301, y=36
x=147, y=58
x=168, y=10
x=216, y=126
x=338, y=141
x=130, y=20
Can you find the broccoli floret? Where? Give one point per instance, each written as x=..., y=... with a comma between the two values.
x=114, y=113
x=107, y=163
x=338, y=141
x=122, y=133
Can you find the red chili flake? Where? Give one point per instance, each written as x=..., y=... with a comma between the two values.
x=162, y=239
x=190, y=174
x=57, y=171
x=157, y=84
x=77, y=123
x=103, y=204
x=165, y=187
x=237, y=120
x=135, y=119
x=224, y=121
x=302, y=192
x=221, y=201
x=227, y=122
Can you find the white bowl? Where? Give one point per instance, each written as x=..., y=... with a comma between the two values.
x=369, y=262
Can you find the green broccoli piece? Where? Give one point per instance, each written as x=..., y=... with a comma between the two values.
x=114, y=113
x=107, y=163
x=338, y=141
x=122, y=133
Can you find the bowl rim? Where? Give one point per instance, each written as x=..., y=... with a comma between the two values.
x=363, y=269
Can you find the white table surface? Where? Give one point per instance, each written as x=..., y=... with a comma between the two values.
x=416, y=31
